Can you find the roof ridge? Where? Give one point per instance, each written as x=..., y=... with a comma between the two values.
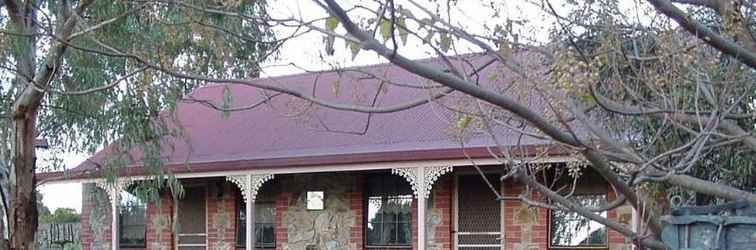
x=298, y=74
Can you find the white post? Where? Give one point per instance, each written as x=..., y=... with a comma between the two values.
x=250, y=232
x=421, y=208
x=114, y=200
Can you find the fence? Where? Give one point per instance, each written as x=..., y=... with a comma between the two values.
x=58, y=236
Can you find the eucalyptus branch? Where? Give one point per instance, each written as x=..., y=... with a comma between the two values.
x=731, y=48
x=106, y=22
x=520, y=174
x=100, y=88
x=600, y=163
x=211, y=104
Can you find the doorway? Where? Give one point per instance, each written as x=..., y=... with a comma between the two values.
x=478, y=213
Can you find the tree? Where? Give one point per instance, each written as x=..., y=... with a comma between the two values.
x=65, y=75
x=42, y=210
x=61, y=215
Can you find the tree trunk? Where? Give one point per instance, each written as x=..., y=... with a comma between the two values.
x=24, y=219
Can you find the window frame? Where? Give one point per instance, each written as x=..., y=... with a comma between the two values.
x=121, y=244
x=605, y=245
x=239, y=205
x=366, y=208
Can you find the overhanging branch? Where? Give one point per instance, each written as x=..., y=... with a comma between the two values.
x=704, y=33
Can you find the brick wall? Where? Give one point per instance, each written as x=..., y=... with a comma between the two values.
x=527, y=228
x=440, y=220
x=437, y=217
x=357, y=205
x=524, y=227
x=95, y=218
x=623, y=215
x=283, y=201
x=221, y=215
x=159, y=221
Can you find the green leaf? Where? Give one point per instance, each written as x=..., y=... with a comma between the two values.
x=403, y=33
x=226, y=104
x=492, y=77
x=385, y=29
x=464, y=121
x=355, y=47
x=445, y=42
x=331, y=23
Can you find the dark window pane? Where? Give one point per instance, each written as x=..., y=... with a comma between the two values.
x=131, y=220
x=389, y=206
x=268, y=234
x=404, y=233
x=374, y=233
x=389, y=233
x=265, y=215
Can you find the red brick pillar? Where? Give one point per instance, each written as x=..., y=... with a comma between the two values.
x=95, y=218
x=524, y=227
x=159, y=222
x=357, y=204
x=511, y=230
x=283, y=201
x=623, y=215
x=221, y=216
x=442, y=202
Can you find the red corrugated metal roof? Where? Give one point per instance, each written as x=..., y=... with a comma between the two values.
x=289, y=128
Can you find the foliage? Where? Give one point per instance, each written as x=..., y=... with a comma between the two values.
x=653, y=66
x=61, y=215
x=87, y=74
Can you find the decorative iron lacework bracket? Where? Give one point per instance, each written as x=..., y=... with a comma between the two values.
x=251, y=183
x=422, y=186
x=113, y=189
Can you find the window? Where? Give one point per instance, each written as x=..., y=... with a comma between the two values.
x=389, y=202
x=570, y=230
x=265, y=214
x=131, y=220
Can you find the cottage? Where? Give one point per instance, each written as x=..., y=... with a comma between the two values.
x=288, y=174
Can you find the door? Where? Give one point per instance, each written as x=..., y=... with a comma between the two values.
x=192, y=233
x=478, y=222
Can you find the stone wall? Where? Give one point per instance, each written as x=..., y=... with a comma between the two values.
x=327, y=229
